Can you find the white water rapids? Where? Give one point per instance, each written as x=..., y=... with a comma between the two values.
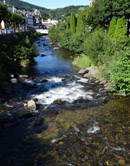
x=57, y=90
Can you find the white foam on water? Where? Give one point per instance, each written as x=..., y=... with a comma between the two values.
x=29, y=82
x=68, y=93
x=93, y=129
x=55, y=79
x=83, y=80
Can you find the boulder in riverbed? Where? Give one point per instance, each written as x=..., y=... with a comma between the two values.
x=42, y=55
x=59, y=102
x=14, y=80
x=31, y=105
x=23, y=76
x=83, y=71
x=56, y=48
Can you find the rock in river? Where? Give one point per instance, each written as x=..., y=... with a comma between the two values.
x=31, y=105
x=14, y=80
x=42, y=55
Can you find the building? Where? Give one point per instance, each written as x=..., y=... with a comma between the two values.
x=12, y=9
x=29, y=20
x=37, y=13
x=49, y=22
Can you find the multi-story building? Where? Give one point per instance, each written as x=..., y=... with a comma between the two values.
x=29, y=20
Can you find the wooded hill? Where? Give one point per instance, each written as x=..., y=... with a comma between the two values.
x=23, y=5
x=59, y=13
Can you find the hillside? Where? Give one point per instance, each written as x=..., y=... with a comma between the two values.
x=59, y=13
x=23, y=5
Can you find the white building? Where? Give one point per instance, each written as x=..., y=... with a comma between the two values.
x=50, y=22
x=12, y=9
x=37, y=12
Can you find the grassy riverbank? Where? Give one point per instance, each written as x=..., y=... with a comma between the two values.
x=16, y=48
x=105, y=45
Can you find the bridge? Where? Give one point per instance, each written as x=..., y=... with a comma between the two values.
x=43, y=31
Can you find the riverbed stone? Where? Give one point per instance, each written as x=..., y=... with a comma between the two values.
x=42, y=55
x=87, y=76
x=103, y=82
x=14, y=80
x=83, y=71
x=43, y=80
x=24, y=64
x=12, y=75
x=56, y=48
x=23, y=76
x=92, y=71
x=59, y=102
x=31, y=105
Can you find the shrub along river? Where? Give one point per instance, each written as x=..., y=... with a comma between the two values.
x=76, y=122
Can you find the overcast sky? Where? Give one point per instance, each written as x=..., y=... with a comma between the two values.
x=53, y=4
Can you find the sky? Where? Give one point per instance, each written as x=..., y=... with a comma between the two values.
x=53, y=4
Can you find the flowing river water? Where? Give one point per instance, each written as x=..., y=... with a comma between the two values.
x=76, y=122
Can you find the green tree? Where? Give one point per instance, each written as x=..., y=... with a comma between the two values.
x=4, y=13
x=120, y=71
x=68, y=23
x=121, y=29
x=73, y=23
x=80, y=26
x=102, y=12
x=17, y=19
x=112, y=28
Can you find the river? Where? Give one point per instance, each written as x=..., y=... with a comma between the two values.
x=76, y=123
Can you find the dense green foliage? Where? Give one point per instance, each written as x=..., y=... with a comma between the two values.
x=80, y=27
x=4, y=13
x=100, y=38
x=16, y=48
x=112, y=28
x=120, y=70
x=73, y=23
x=62, y=13
x=10, y=18
x=121, y=29
x=102, y=12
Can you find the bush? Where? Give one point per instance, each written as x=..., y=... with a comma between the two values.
x=16, y=47
x=76, y=42
x=82, y=61
x=98, y=47
x=64, y=40
x=73, y=22
x=121, y=30
x=53, y=34
x=120, y=71
x=112, y=28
